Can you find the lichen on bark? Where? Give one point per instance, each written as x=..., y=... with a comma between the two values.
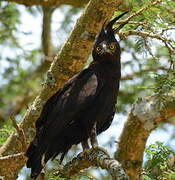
x=144, y=117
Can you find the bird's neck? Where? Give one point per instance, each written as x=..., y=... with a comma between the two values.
x=108, y=68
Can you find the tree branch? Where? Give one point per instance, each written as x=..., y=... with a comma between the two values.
x=10, y=163
x=122, y=5
x=145, y=115
x=47, y=45
x=56, y=3
x=146, y=35
x=167, y=42
x=20, y=132
x=46, y=30
x=140, y=11
x=94, y=157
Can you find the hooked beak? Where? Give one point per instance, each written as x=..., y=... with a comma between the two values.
x=104, y=46
x=105, y=49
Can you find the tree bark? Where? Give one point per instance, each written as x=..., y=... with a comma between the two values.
x=93, y=157
x=10, y=164
x=46, y=30
x=56, y=3
x=143, y=118
x=77, y=3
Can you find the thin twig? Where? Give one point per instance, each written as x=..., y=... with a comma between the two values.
x=20, y=132
x=144, y=24
x=14, y=123
x=12, y=156
x=140, y=11
x=145, y=35
x=149, y=50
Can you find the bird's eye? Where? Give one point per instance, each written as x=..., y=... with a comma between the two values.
x=98, y=49
x=112, y=46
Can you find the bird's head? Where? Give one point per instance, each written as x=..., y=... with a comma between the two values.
x=106, y=46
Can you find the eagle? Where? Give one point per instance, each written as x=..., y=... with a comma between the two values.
x=83, y=108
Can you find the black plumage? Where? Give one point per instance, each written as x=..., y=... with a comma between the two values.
x=83, y=108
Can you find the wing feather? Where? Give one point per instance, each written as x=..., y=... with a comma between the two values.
x=89, y=89
x=63, y=107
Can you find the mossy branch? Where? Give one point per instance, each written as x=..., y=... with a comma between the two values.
x=10, y=164
x=94, y=157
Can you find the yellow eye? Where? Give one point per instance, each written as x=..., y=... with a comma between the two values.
x=112, y=46
x=98, y=49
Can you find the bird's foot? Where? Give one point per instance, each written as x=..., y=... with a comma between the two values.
x=93, y=149
x=85, y=151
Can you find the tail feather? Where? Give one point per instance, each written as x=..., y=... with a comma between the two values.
x=31, y=153
x=39, y=155
x=62, y=156
x=40, y=151
x=34, y=159
x=61, y=147
x=37, y=168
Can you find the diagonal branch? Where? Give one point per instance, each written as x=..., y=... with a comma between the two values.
x=146, y=35
x=140, y=11
x=94, y=157
x=20, y=132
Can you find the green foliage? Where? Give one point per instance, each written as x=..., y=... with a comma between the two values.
x=9, y=21
x=149, y=53
x=4, y=133
x=158, y=166
x=50, y=176
x=16, y=63
x=164, y=83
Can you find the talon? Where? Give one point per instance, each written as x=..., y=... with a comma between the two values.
x=84, y=152
x=95, y=144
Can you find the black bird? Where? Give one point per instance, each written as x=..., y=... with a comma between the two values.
x=83, y=108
